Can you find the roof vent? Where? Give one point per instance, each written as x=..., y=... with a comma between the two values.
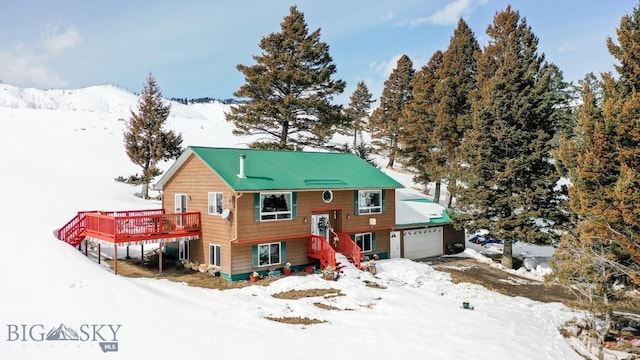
x=241, y=173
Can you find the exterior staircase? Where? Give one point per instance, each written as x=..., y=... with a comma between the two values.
x=349, y=249
x=74, y=231
x=319, y=248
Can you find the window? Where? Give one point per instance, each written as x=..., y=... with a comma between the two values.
x=327, y=196
x=215, y=203
x=369, y=201
x=214, y=255
x=180, y=206
x=268, y=254
x=364, y=241
x=275, y=206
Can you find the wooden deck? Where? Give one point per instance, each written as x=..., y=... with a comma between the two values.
x=130, y=227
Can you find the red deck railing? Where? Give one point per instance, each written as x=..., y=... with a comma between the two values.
x=349, y=248
x=130, y=226
x=318, y=248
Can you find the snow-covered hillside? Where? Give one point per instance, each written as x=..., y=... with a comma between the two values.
x=62, y=149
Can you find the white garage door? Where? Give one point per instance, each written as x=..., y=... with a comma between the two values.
x=421, y=243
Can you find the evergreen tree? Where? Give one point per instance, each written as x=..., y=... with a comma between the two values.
x=589, y=260
x=145, y=140
x=357, y=114
x=385, y=120
x=453, y=107
x=602, y=158
x=418, y=123
x=510, y=183
x=627, y=51
x=289, y=89
x=364, y=151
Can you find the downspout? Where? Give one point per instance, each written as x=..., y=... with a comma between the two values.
x=241, y=175
x=235, y=215
x=235, y=224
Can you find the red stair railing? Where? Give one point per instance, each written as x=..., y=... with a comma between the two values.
x=348, y=248
x=319, y=248
x=73, y=232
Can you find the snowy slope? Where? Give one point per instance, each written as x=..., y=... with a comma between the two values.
x=63, y=149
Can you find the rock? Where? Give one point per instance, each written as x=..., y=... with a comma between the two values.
x=574, y=330
x=594, y=346
x=530, y=263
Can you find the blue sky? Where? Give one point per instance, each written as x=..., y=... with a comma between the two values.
x=193, y=47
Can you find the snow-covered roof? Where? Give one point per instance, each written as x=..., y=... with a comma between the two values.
x=419, y=212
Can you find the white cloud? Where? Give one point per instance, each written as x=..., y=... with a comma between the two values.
x=57, y=40
x=22, y=68
x=450, y=14
x=385, y=68
x=29, y=66
x=387, y=17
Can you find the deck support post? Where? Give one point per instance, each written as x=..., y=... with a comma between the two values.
x=115, y=258
x=99, y=251
x=86, y=247
x=160, y=258
x=141, y=251
x=128, y=252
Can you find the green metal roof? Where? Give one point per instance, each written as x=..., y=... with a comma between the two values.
x=287, y=170
x=426, y=220
x=441, y=220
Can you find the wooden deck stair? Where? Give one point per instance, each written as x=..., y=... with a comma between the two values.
x=319, y=248
x=349, y=249
x=74, y=231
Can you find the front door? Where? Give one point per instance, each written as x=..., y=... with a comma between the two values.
x=181, y=207
x=320, y=225
x=394, y=245
x=183, y=250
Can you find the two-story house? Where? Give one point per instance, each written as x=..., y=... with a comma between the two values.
x=263, y=208
x=246, y=210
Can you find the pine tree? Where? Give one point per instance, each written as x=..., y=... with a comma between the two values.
x=289, y=89
x=510, y=183
x=589, y=260
x=364, y=151
x=416, y=126
x=627, y=51
x=357, y=113
x=385, y=120
x=602, y=160
x=145, y=140
x=453, y=107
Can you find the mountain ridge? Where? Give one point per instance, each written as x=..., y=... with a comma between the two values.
x=96, y=98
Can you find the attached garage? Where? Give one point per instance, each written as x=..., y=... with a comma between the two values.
x=423, y=229
x=422, y=243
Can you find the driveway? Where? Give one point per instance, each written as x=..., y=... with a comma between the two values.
x=472, y=271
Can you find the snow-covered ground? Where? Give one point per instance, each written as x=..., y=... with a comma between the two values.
x=62, y=151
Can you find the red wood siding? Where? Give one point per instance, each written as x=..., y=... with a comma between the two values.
x=196, y=180
x=310, y=202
